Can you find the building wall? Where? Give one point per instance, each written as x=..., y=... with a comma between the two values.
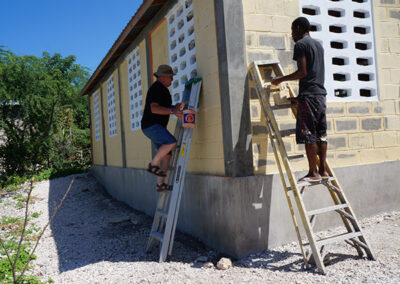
x=97, y=146
x=358, y=132
x=206, y=155
x=138, y=147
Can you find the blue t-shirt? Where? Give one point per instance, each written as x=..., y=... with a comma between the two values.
x=313, y=51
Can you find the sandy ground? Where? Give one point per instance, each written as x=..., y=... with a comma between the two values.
x=95, y=239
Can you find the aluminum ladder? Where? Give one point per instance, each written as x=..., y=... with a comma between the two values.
x=262, y=72
x=167, y=210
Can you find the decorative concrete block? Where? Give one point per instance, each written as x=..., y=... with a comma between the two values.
x=394, y=45
x=258, y=55
x=384, y=107
x=249, y=6
x=395, y=76
x=285, y=58
x=255, y=110
x=390, y=2
x=392, y=122
x=384, y=45
x=275, y=42
x=329, y=126
x=270, y=7
x=259, y=130
x=337, y=142
x=371, y=124
x=291, y=8
x=347, y=158
x=385, y=139
x=395, y=14
x=358, y=108
x=346, y=125
x=335, y=110
x=258, y=22
x=281, y=23
x=372, y=155
x=390, y=92
x=360, y=141
x=251, y=39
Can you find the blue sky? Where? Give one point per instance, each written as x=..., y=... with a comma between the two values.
x=84, y=28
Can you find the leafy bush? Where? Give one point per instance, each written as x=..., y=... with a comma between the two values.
x=43, y=117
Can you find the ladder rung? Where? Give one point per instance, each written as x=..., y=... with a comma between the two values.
x=158, y=236
x=283, y=106
x=310, y=183
x=293, y=157
x=162, y=212
x=337, y=238
x=327, y=209
x=287, y=132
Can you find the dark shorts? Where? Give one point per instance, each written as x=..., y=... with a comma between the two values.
x=159, y=135
x=311, y=119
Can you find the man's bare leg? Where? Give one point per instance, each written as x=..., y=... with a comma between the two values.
x=164, y=163
x=322, y=149
x=161, y=153
x=311, y=152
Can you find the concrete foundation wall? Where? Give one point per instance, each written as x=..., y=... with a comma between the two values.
x=242, y=215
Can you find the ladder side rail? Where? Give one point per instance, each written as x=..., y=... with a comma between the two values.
x=193, y=104
x=164, y=197
x=335, y=182
x=182, y=184
x=177, y=185
x=298, y=199
x=288, y=198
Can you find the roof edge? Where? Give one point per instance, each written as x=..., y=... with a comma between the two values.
x=135, y=21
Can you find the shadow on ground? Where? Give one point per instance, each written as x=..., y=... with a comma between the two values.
x=91, y=227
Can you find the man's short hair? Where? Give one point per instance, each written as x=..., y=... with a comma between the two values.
x=302, y=23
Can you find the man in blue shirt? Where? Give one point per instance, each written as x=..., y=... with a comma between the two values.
x=311, y=109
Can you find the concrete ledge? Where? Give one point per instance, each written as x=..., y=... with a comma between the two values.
x=242, y=215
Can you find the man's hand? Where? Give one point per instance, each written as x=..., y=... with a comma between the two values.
x=276, y=80
x=177, y=110
x=294, y=100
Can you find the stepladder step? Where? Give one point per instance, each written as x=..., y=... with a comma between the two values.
x=287, y=132
x=158, y=236
x=283, y=106
x=327, y=209
x=336, y=238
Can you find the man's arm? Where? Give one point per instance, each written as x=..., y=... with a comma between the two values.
x=300, y=73
x=157, y=109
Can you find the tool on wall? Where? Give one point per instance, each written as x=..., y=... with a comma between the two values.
x=167, y=210
x=261, y=73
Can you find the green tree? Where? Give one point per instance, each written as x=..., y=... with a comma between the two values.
x=43, y=117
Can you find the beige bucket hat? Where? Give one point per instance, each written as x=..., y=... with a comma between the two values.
x=164, y=70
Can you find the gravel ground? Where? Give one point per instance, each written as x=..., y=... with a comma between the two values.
x=95, y=239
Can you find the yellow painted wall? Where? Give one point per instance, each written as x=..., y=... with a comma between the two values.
x=138, y=146
x=113, y=144
x=207, y=153
x=160, y=55
x=97, y=146
x=375, y=136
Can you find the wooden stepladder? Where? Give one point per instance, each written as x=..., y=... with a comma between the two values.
x=262, y=72
x=166, y=215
